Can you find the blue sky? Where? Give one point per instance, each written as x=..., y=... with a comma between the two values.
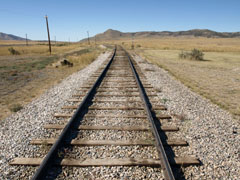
x=71, y=19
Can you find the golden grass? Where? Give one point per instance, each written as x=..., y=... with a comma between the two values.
x=23, y=80
x=83, y=59
x=217, y=78
x=37, y=49
x=184, y=43
x=10, y=42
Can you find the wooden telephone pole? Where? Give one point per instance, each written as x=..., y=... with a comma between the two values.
x=49, y=41
x=26, y=40
x=132, y=42
x=88, y=38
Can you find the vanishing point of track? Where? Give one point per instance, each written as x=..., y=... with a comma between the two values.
x=119, y=81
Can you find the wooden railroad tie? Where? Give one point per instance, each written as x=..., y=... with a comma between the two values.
x=115, y=108
x=120, y=128
x=109, y=142
x=119, y=90
x=124, y=83
x=112, y=116
x=145, y=87
x=113, y=95
x=117, y=76
x=114, y=101
x=120, y=81
x=184, y=161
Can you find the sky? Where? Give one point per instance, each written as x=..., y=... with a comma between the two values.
x=71, y=19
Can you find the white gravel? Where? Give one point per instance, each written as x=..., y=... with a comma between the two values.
x=17, y=130
x=115, y=152
x=212, y=133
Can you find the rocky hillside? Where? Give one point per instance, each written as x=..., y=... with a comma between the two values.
x=4, y=36
x=111, y=34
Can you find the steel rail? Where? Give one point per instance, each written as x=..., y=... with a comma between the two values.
x=167, y=171
x=53, y=153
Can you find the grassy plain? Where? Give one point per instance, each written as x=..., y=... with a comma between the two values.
x=26, y=76
x=35, y=48
x=185, y=43
x=216, y=78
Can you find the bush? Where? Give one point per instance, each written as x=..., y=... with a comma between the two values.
x=183, y=55
x=132, y=46
x=16, y=107
x=61, y=44
x=195, y=54
x=13, y=51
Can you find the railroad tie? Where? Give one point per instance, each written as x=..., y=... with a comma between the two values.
x=119, y=128
x=183, y=161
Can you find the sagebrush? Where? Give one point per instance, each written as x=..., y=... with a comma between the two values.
x=16, y=107
x=195, y=54
x=13, y=51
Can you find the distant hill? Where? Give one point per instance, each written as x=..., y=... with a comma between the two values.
x=111, y=34
x=4, y=36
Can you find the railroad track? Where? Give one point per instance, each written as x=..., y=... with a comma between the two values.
x=122, y=103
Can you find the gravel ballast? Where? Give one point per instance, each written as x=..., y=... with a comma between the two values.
x=207, y=128
x=212, y=133
x=17, y=130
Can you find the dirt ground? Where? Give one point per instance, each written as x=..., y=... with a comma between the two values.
x=25, y=77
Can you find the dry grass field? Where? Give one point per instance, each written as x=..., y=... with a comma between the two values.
x=35, y=48
x=217, y=77
x=28, y=75
x=185, y=43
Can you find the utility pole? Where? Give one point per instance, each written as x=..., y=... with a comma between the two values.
x=26, y=40
x=49, y=41
x=88, y=38
x=68, y=40
x=95, y=41
x=55, y=40
x=132, y=42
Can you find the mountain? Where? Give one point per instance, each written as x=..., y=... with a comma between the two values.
x=4, y=36
x=111, y=34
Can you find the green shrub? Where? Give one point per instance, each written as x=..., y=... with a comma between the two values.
x=13, y=51
x=195, y=54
